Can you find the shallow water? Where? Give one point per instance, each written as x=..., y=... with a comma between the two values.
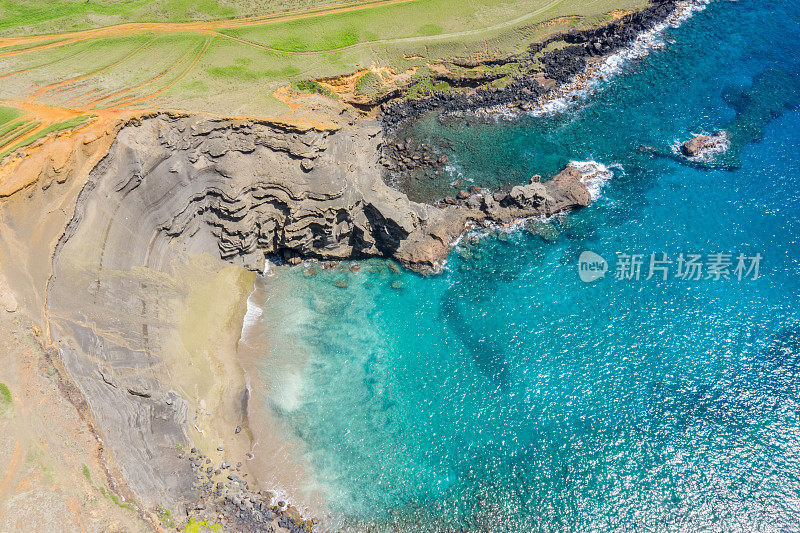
x=506, y=394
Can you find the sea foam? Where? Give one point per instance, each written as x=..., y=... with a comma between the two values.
x=570, y=95
x=594, y=175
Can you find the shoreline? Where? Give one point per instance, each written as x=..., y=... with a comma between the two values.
x=571, y=94
x=581, y=84
x=237, y=365
x=569, y=76
x=560, y=67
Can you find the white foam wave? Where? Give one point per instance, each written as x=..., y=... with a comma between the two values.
x=721, y=144
x=268, y=272
x=457, y=175
x=587, y=83
x=252, y=315
x=594, y=175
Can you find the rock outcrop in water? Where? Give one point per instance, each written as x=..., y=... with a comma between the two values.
x=700, y=144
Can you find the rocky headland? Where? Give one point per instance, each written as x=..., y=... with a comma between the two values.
x=246, y=192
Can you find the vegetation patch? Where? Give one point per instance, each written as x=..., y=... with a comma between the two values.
x=369, y=84
x=225, y=74
x=28, y=46
x=442, y=86
x=329, y=41
x=13, y=130
x=165, y=517
x=64, y=125
x=86, y=473
x=6, y=403
x=114, y=498
x=201, y=526
x=426, y=85
x=7, y=114
x=430, y=29
x=313, y=86
x=239, y=72
x=503, y=82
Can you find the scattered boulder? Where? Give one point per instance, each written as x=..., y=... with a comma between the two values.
x=701, y=143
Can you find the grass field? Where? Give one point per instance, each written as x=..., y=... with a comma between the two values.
x=27, y=17
x=235, y=66
x=30, y=136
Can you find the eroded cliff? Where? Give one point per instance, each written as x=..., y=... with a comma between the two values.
x=161, y=229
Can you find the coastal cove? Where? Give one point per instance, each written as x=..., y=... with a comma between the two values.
x=505, y=394
x=515, y=270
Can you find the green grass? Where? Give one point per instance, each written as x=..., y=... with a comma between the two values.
x=9, y=127
x=13, y=130
x=26, y=46
x=58, y=126
x=7, y=114
x=401, y=21
x=442, y=86
x=31, y=17
x=369, y=84
x=201, y=526
x=6, y=402
x=304, y=39
x=86, y=473
x=165, y=517
x=19, y=132
x=312, y=86
x=430, y=29
x=114, y=498
x=426, y=85
x=239, y=72
x=239, y=76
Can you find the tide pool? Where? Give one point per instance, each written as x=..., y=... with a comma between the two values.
x=506, y=394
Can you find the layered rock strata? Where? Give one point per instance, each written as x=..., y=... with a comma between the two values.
x=247, y=192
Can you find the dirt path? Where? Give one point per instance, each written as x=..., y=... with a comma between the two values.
x=181, y=27
x=12, y=470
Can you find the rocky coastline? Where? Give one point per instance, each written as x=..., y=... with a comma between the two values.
x=558, y=67
x=182, y=208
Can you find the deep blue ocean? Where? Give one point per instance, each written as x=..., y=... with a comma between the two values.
x=506, y=394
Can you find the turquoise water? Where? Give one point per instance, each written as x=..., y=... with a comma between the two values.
x=507, y=395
